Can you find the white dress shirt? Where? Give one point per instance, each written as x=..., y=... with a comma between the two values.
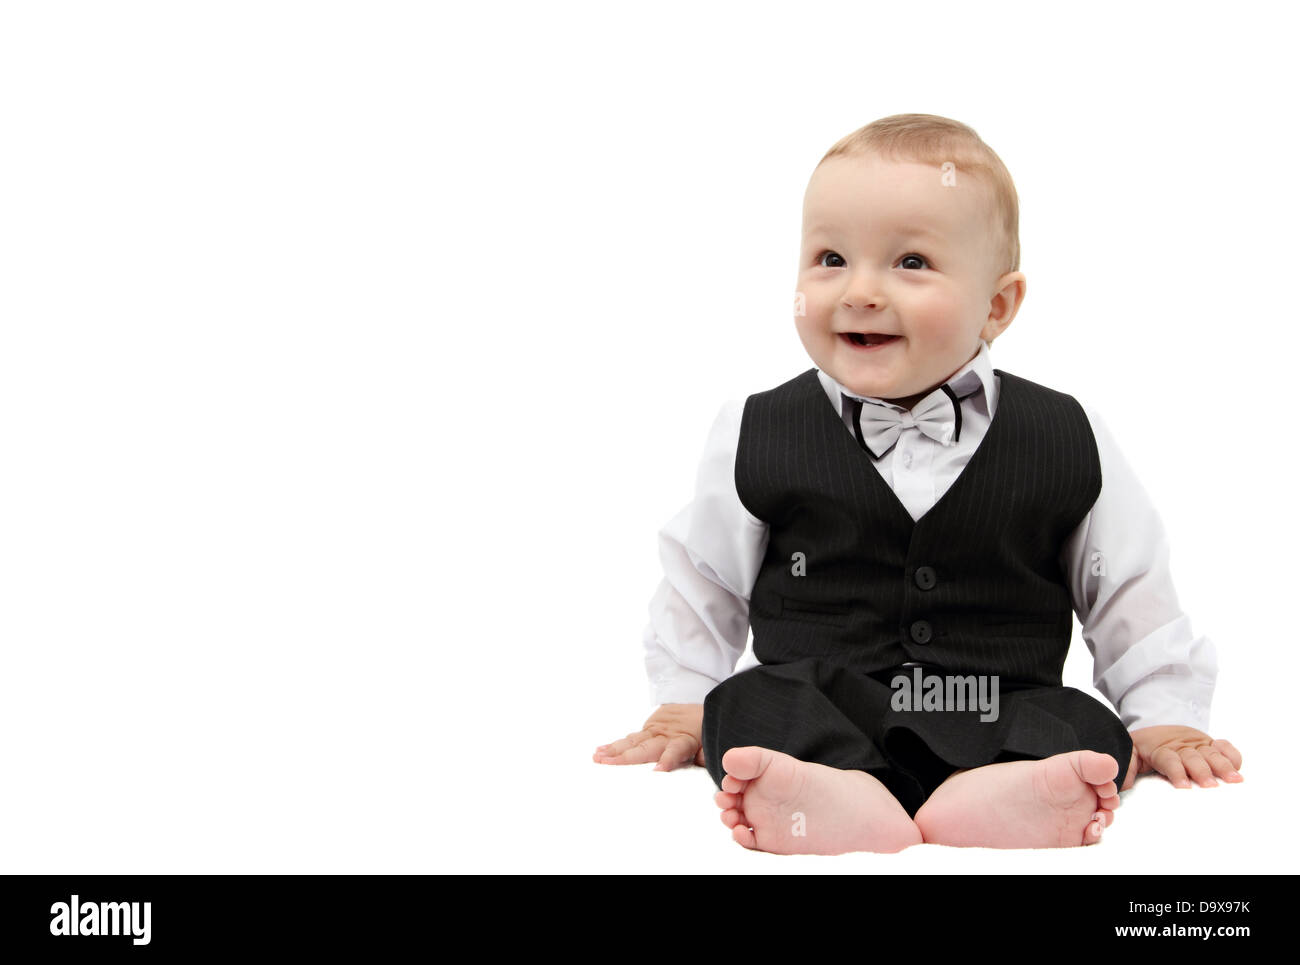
x=1146, y=660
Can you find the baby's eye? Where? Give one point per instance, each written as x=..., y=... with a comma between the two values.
x=906, y=258
x=830, y=254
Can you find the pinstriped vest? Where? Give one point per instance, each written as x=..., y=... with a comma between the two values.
x=974, y=586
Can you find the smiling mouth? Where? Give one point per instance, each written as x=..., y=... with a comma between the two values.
x=867, y=339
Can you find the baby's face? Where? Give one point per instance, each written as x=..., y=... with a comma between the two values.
x=890, y=250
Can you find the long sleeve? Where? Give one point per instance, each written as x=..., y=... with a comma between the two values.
x=1147, y=660
x=711, y=552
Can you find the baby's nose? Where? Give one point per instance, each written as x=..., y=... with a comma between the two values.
x=863, y=293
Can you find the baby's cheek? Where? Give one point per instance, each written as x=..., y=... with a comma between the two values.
x=940, y=317
x=813, y=324
x=933, y=328
x=814, y=344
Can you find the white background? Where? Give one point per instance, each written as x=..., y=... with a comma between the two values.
x=351, y=356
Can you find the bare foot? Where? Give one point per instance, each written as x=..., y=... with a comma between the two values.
x=775, y=802
x=1060, y=802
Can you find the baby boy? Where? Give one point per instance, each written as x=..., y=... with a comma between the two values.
x=905, y=527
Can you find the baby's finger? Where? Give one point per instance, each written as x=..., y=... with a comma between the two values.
x=647, y=750
x=1132, y=773
x=1167, y=763
x=1223, y=767
x=1230, y=752
x=619, y=746
x=1198, y=769
x=680, y=750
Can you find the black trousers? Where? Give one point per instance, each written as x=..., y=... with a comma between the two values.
x=848, y=719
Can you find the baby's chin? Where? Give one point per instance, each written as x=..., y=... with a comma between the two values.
x=865, y=384
x=889, y=390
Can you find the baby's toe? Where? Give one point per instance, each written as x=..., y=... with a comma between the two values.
x=724, y=800
x=1092, y=833
x=732, y=817
x=1107, y=790
x=1096, y=768
x=732, y=784
x=744, y=837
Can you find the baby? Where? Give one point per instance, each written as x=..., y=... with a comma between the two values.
x=909, y=533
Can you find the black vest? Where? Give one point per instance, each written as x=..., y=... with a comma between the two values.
x=974, y=586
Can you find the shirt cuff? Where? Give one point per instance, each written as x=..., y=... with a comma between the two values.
x=1168, y=698
x=671, y=683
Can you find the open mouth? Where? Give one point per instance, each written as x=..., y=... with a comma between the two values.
x=867, y=340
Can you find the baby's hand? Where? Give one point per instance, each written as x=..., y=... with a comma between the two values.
x=671, y=736
x=1180, y=753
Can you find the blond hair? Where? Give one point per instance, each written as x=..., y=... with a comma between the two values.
x=930, y=139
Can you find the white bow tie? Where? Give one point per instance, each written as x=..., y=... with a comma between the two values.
x=878, y=426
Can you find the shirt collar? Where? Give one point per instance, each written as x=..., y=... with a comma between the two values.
x=974, y=376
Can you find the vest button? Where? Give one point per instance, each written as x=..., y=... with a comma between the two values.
x=925, y=577
x=921, y=631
